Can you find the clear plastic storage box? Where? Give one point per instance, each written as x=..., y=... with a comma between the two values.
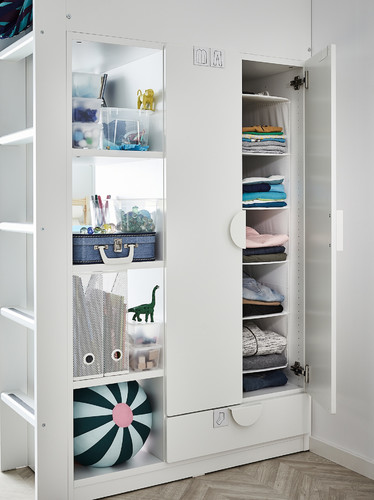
x=86, y=85
x=86, y=110
x=145, y=357
x=142, y=334
x=86, y=135
x=125, y=128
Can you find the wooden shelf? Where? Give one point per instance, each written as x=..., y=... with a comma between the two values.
x=25, y=136
x=22, y=404
x=16, y=227
x=19, y=315
x=20, y=49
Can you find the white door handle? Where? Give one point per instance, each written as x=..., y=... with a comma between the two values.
x=117, y=260
x=237, y=229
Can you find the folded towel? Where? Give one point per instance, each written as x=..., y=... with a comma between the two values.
x=264, y=250
x=255, y=381
x=260, y=187
x=256, y=240
x=256, y=310
x=265, y=362
x=272, y=179
x=262, y=128
x=264, y=204
x=270, y=257
x=269, y=195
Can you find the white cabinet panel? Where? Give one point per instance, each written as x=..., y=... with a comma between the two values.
x=203, y=277
x=320, y=228
x=191, y=436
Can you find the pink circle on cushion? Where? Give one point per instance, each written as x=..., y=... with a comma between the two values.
x=122, y=415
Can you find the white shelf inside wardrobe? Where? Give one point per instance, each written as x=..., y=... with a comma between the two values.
x=22, y=404
x=270, y=392
x=17, y=227
x=260, y=316
x=265, y=263
x=19, y=315
x=263, y=98
x=144, y=461
x=110, y=268
x=265, y=369
x=113, y=379
x=266, y=208
x=21, y=48
x=25, y=136
x=266, y=154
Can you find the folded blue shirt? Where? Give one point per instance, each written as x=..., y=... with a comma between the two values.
x=254, y=290
x=269, y=195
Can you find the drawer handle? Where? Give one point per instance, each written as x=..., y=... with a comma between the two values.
x=237, y=229
x=246, y=415
x=115, y=260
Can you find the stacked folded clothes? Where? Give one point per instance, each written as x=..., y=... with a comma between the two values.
x=259, y=299
x=264, y=247
x=262, y=349
x=255, y=381
x=264, y=192
x=263, y=139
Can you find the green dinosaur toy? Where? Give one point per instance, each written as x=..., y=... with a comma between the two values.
x=146, y=309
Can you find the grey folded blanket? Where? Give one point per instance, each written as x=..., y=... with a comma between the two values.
x=261, y=342
x=264, y=362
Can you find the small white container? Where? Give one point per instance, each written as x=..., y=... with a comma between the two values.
x=145, y=357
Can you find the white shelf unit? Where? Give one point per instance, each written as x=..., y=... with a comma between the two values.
x=273, y=110
x=136, y=175
x=17, y=342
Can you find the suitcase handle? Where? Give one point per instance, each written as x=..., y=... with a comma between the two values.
x=117, y=260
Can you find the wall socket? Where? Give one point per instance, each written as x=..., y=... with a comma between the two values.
x=221, y=417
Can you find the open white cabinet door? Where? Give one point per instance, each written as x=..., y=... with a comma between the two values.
x=320, y=228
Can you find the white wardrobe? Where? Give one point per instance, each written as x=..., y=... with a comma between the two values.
x=194, y=168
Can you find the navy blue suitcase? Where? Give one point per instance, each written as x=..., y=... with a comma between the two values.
x=108, y=248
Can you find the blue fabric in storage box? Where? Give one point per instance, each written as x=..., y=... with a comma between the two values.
x=84, y=252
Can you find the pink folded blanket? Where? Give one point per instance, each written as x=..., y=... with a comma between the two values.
x=257, y=240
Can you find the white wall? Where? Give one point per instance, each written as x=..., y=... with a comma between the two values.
x=350, y=27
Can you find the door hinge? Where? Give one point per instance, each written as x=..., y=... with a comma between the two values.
x=300, y=370
x=298, y=82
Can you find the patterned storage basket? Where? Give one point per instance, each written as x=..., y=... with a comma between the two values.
x=15, y=16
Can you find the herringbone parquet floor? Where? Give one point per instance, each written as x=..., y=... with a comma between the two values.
x=302, y=476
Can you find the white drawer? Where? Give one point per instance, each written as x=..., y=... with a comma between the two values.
x=193, y=435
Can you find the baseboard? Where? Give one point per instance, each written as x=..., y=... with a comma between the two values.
x=345, y=458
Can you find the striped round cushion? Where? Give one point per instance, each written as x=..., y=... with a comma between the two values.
x=111, y=423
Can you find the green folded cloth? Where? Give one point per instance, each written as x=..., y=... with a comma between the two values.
x=270, y=257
